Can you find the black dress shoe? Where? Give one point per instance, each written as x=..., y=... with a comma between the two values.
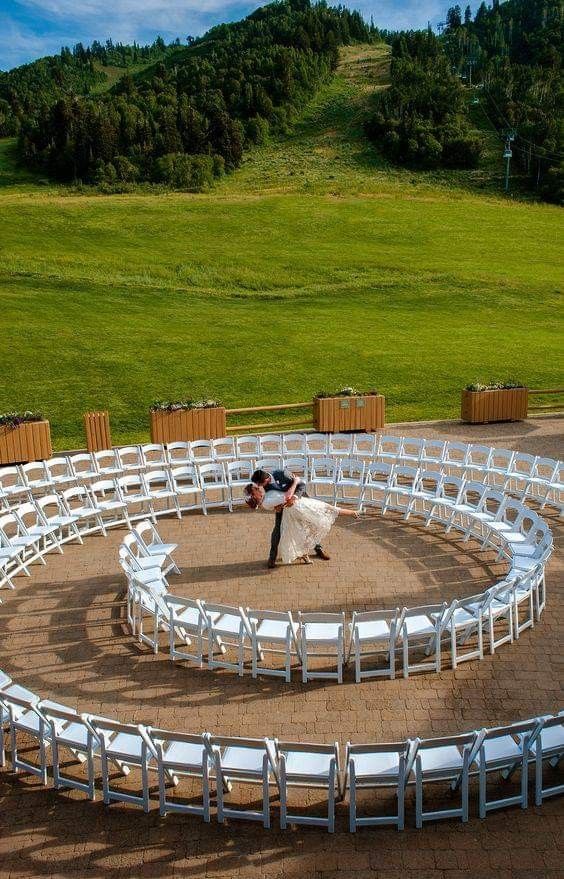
x=271, y=563
x=321, y=554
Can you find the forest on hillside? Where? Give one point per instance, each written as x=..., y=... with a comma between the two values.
x=185, y=119
x=25, y=90
x=508, y=60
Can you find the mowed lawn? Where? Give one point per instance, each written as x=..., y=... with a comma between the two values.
x=111, y=302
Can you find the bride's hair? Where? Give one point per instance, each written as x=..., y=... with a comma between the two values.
x=250, y=500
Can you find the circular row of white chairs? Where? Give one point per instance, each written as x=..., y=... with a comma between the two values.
x=525, y=476
x=218, y=763
x=48, y=515
x=231, y=637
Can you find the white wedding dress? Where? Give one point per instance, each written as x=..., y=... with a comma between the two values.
x=304, y=524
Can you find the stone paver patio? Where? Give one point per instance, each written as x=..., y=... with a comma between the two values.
x=63, y=635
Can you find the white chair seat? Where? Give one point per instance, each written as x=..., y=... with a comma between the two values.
x=552, y=738
x=187, y=753
x=190, y=616
x=74, y=735
x=374, y=765
x=500, y=749
x=242, y=759
x=308, y=764
x=272, y=630
x=444, y=757
x=372, y=630
x=418, y=625
x=126, y=745
x=321, y=631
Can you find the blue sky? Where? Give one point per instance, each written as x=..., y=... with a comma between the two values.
x=31, y=28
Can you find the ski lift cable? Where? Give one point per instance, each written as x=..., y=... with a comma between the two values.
x=547, y=153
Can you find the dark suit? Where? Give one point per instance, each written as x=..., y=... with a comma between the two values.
x=281, y=480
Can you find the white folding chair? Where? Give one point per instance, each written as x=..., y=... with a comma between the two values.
x=35, y=525
x=375, y=767
x=187, y=621
x=403, y=480
x=349, y=481
x=411, y=450
x=308, y=766
x=365, y=446
x=294, y=445
x=273, y=632
x=421, y=631
x=161, y=491
x=201, y=451
x=373, y=634
x=84, y=467
x=455, y=457
x=178, y=454
x=182, y=755
x=270, y=445
x=248, y=761
x=187, y=488
x=17, y=543
x=13, y=487
x=426, y=490
x=26, y=717
x=446, y=500
x=144, y=561
x=322, y=476
x=54, y=513
x=151, y=543
x=316, y=445
x=135, y=493
x=131, y=459
x=108, y=499
x=340, y=445
x=444, y=759
x=79, y=503
x=499, y=467
x=297, y=466
x=247, y=448
x=377, y=478
x=389, y=448
x=154, y=455
x=478, y=461
x=503, y=750
x=8, y=689
x=432, y=454
x=238, y=476
x=108, y=463
x=224, y=448
x=214, y=485
x=36, y=477
x=228, y=626
x=71, y=732
x=549, y=747
x=60, y=472
x=520, y=473
x=269, y=464
x=132, y=746
x=322, y=635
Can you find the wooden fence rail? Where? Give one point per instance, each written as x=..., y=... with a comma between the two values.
x=551, y=405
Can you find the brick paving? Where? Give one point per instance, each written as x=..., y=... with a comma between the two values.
x=63, y=636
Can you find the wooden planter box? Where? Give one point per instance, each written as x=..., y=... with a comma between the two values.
x=188, y=424
x=97, y=429
x=480, y=407
x=337, y=414
x=30, y=441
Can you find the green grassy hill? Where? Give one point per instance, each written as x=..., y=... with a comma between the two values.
x=314, y=266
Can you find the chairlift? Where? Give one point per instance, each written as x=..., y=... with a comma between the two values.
x=507, y=153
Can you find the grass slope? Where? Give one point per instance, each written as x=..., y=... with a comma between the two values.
x=276, y=285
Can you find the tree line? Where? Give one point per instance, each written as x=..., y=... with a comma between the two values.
x=186, y=118
x=512, y=54
x=26, y=90
x=421, y=119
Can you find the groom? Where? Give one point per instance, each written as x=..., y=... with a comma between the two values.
x=292, y=487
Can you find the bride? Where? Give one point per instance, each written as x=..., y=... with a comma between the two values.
x=306, y=521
